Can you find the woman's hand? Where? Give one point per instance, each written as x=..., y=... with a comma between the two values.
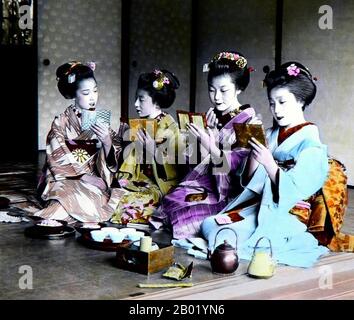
x=148, y=143
x=95, y=181
x=263, y=155
x=212, y=120
x=206, y=138
x=102, y=133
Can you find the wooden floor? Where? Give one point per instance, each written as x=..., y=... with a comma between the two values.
x=87, y=274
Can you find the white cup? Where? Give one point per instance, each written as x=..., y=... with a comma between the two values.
x=145, y=243
x=128, y=230
x=117, y=237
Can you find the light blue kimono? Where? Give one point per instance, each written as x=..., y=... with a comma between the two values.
x=291, y=243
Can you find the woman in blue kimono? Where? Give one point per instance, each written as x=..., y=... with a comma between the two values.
x=293, y=167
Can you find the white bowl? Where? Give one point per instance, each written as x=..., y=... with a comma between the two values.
x=117, y=237
x=135, y=236
x=110, y=230
x=98, y=235
x=128, y=230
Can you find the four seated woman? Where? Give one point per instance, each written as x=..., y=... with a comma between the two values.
x=274, y=181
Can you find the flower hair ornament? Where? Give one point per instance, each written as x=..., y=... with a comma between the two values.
x=161, y=80
x=293, y=70
x=240, y=61
x=72, y=76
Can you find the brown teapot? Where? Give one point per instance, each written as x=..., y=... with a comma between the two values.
x=224, y=257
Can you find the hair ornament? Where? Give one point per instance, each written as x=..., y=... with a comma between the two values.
x=161, y=80
x=71, y=78
x=293, y=70
x=91, y=65
x=241, y=62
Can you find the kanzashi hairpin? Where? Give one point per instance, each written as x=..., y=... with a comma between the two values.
x=160, y=81
x=71, y=78
x=91, y=65
x=240, y=61
x=293, y=70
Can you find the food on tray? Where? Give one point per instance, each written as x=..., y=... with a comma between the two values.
x=91, y=225
x=50, y=223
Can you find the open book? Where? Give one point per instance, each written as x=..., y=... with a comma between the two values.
x=148, y=125
x=185, y=117
x=244, y=133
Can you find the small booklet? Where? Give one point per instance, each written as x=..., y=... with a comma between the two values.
x=148, y=125
x=184, y=117
x=89, y=118
x=244, y=133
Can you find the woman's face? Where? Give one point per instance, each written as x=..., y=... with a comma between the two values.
x=87, y=94
x=286, y=110
x=223, y=93
x=144, y=105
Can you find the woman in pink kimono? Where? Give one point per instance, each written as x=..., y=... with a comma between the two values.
x=208, y=186
x=82, y=153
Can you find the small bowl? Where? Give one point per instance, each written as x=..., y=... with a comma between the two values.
x=117, y=237
x=128, y=230
x=110, y=230
x=135, y=236
x=98, y=235
x=48, y=229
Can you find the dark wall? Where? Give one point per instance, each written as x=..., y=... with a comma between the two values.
x=18, y=128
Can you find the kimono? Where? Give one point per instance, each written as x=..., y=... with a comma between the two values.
x=263, y=207
x=207, y=187
x=71, y=153
x=146, y=181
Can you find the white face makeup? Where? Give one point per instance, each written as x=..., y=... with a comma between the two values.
x=286, y=110
x=87, y=94
x=223, y=93
x=144, y=105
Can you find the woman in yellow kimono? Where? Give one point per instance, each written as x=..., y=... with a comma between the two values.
x=81, y=153
x=149, y=169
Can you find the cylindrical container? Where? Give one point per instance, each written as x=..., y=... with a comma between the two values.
x=145, y=243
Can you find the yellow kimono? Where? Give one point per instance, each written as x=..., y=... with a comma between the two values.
x=146, y=183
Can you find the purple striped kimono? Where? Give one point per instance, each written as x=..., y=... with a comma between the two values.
x=213, y=182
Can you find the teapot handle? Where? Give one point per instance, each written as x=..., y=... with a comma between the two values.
x=270, y=245
x=224, y=229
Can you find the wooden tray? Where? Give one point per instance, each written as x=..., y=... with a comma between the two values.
x=34, y=232
x=106, y=245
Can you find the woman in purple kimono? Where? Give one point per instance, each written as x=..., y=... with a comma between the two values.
x=208, y=186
